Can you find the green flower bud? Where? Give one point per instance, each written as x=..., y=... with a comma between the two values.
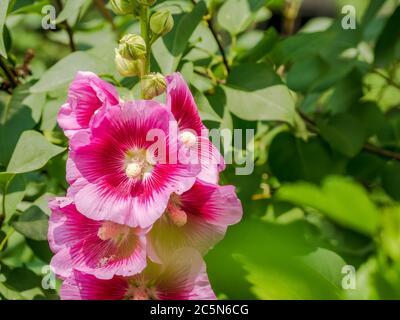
x=132, y=47
x=153, y=85
x=146, y=2
x=122, y=7
x=128, y=67
x=161, y=22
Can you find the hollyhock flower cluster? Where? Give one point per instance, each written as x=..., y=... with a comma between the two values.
x=144, y=202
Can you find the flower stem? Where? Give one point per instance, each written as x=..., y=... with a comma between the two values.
x=7, y=237
x=144, y=26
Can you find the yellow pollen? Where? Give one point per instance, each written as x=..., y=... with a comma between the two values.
x=134, y=169
x=188, y=138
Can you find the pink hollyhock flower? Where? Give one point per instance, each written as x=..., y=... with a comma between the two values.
x=125, y=179
x=87, y=94
x=198, y=218
x=183, y=277
x=193, y=133
x=100, y=248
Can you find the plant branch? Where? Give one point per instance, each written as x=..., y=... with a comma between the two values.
x=144, y=28
x=68, y=28
x=312, y=127
x=8, y=73
x=106, y=14
x=216, y=37
x=4, y=241
x=388, y=79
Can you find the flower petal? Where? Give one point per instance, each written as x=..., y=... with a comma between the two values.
x=80, y=247
x=81, y=286
x=182, y=105
x=184, y=278
x=87, y=94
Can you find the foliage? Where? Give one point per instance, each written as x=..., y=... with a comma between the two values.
x=324, y=103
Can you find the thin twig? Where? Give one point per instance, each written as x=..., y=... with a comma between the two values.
x=216, y=37
x=68, y=28
x=106, y=14
x=382, y=152
x=312, y=127
x=388, y=79
x=8, y=73
x=6, y=238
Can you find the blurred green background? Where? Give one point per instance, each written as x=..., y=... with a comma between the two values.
x=324, y=102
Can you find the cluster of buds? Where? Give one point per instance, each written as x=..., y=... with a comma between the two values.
x=130, y=56
x=133, y=53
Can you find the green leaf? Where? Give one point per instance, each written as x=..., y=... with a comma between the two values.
x=347, y=93
x=321, y=267
x=391, y=179
x=32, y=152
x=340, y=199
x=262, y=48
x=254, y=92
x=22, y=279
x=304, y=73
x=33, y=224
x=13, y=191
x=388, y=40
x=3, y=15
x=169, y=49
x=292, y=159
x=50, y=111
x=235, y=16
x=344, y=133
x=71, y=11
x=35, y=7
x=16, y=118
x=390, y=236
x=97, y=60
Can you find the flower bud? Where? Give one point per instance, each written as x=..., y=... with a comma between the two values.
x=146, y=2
x=132, y=47
x=127, y=67
x=153, y=85
x=161, y=22
x=122, y=7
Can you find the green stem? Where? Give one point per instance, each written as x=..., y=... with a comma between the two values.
x=144, y=26
x=4, y=241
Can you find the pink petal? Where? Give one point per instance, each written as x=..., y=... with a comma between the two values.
x=83, y=249
x=217, y=205
x=87, y=94
x=105, y=192
x=81, y=286
x=182, y=105
x=210, y=209
x=184, y=278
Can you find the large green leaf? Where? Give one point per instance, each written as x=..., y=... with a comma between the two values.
x=254, y=92
x=388, y=40
x=292, y=159
x=344, y=133
x=71, y=11
x=322, y=268
x=391, y=179
x=32, y=152
x=3, y=15
x=33, y=224
x=169, y=49
x=13, y=190
x=16, y=118
x=98, y=60
x=236, y=15
x=340, y=199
